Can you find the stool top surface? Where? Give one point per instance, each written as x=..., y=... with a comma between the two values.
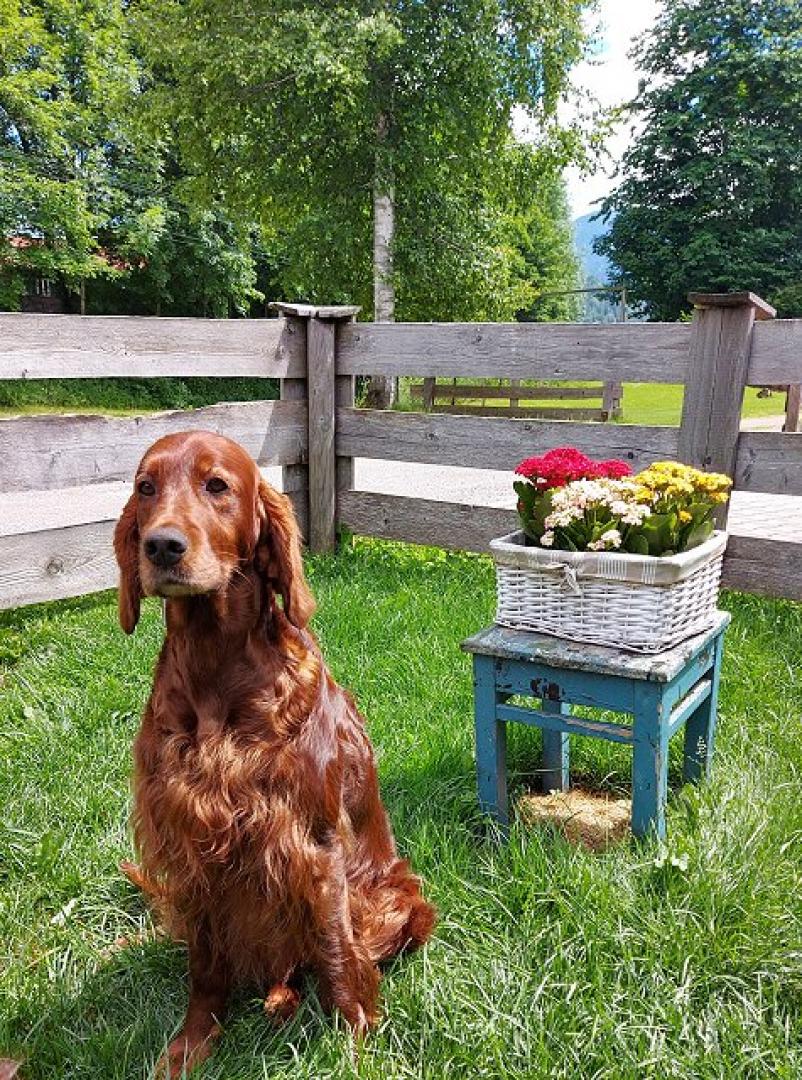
x=556, y=652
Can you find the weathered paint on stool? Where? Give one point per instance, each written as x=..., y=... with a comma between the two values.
x=661, y=693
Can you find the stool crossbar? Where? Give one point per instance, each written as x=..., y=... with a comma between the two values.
x=661, y=692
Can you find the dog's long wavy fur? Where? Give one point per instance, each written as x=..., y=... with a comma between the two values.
x=261, y=835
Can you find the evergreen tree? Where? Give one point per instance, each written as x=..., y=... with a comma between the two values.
x=711, y=190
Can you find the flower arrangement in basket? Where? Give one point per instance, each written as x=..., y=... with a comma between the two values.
x=607, y=557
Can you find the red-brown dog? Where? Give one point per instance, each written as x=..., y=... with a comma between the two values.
x=260, y=829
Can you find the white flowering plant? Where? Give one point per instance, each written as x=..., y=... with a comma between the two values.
x=592, y=515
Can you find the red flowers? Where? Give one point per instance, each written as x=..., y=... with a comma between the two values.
x=561, y=466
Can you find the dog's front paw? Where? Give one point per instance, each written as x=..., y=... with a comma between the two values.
x=359, y=1018
x=185, y=1054
x=281, y=1003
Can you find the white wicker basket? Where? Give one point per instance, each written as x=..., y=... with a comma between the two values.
x=637, y=602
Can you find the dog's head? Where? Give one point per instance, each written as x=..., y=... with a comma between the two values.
x=200, y=513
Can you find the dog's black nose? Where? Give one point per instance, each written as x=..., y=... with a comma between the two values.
x=165, y=547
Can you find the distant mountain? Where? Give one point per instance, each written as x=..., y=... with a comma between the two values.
x=596, y=269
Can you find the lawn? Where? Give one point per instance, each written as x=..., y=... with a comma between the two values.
x=643, y=403
x=548, y=961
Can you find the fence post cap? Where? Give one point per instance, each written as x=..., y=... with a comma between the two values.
x=316, y=311
x=733, y=299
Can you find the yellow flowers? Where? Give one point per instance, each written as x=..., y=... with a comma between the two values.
x=670, y=481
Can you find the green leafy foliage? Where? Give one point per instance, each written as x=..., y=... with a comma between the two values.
x=87, y=192
x=292, y=116
x=711, y=191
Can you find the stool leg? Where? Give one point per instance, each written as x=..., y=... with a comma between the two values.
x=556, y=753
x=491, y=742
x=700, y=727
x=649, y=763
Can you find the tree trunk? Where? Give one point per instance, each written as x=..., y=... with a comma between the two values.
x=382, y=390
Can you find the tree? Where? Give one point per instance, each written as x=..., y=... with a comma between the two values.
x=93, y=195
x=63, y=70
x=368, y=139
x=711, y=195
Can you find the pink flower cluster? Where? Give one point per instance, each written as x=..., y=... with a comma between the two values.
x=561, y=466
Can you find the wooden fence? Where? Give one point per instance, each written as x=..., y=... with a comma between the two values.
x=56, y=522
x=460, y=399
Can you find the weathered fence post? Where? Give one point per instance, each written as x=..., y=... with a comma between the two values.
x=295, y=478
x=322, y=392
x=721, y=341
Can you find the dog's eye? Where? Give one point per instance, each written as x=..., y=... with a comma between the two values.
x=216, y=485
x=144, y=487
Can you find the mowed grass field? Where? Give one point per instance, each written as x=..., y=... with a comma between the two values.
x=643, y=403
x=548, y=961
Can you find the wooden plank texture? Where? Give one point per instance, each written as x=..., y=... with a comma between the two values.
x=345, y=391
x=39, y=452
x=793, y=407
x=322, y=412
x=534, y=412
x=734, y=299
x=510, y=393
x=56, y=563
x=295, y=477
x=768, y=567
x=642, y=352
x=490, y=442
x=769, y=461
x=711, y=408
x=455, y=526
x=115, y=346
x=776, y=357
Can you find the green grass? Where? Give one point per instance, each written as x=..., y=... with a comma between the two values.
x=548, y=961
x=126, y=396
x=643, y=403
x=661, y=403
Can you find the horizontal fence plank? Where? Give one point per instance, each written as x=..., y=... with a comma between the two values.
x=544, y=412
x=125, y=346
x=73, y=560
x=512, y=393
x=56, y=564
x=621, y=352
x=491, y=442
x=769, y=461
x=776, y=356
x=455, y=526
x=752, y=564
x=38, y=452
x=764, y=566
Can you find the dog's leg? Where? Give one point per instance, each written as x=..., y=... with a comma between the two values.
x=281, y=1003
x=208, y=997
x=349, y=980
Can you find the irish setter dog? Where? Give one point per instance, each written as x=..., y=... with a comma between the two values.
x=261, y=834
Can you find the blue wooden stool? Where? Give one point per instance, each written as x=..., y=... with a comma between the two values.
x=661, y=692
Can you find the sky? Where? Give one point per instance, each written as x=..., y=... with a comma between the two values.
x=612, y=78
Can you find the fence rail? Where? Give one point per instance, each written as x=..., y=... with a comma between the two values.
x=488, y=442
x=124, y=346
x=50, y=547
x=40, y=452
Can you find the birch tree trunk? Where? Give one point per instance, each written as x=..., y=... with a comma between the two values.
x=382, y=390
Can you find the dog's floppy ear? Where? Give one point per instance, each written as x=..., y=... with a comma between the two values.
x=278, y=555
x=126, y=548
